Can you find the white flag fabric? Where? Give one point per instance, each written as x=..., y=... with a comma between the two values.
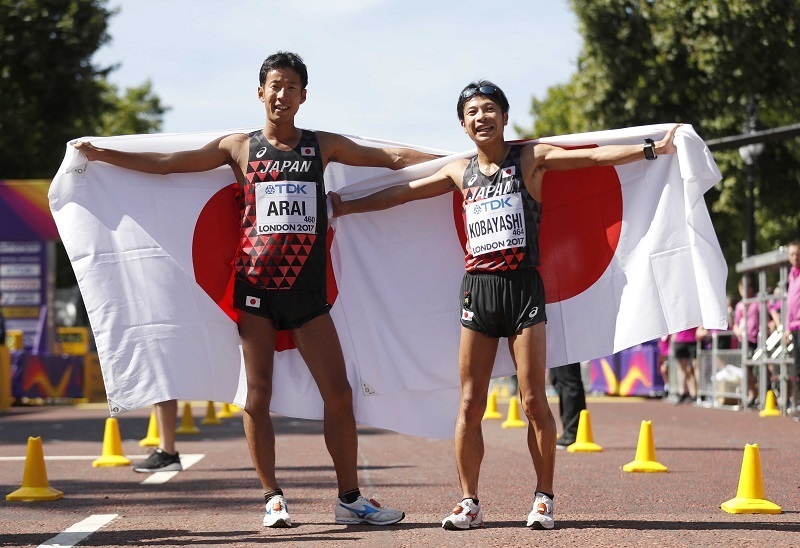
x=628, y=254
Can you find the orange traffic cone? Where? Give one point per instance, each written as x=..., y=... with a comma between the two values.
x=750, y=494
x=187, y=421
x=225, y=412
x=491, y=407
x=513, y=420
x=645, y=460
x=152, y=439
x=112, y=447
x=34, y=478
x=770, y=406
x=584, y=441
x=211, y=415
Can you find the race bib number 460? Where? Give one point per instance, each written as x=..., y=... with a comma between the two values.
x=286, y=206
x=495, y=223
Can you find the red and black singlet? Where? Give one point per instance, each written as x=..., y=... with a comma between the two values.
x=283, y=216
x=501, y=218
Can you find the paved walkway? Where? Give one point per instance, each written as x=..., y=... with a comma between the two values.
x=218, y=502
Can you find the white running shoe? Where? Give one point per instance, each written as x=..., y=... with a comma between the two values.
x=466, y=515
x=541, y=517
x=277, y=513
x=365, y=510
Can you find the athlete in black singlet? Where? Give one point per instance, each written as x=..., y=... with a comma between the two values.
x=280, y=269
x=502, y=293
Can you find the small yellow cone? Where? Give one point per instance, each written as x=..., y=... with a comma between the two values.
x=211, y=415
x=153, y=438
x=504, y=392
x=34, y=478
x=187, y=421
x=491, y=407
x=645, y=460
x=750, y=494
x=513, y=420
x=584, y=442
x=770, y=406
x=225, y=412
x=112, y=447
x=236, y=409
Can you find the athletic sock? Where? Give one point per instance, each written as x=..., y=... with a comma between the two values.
x=552, y=497
x=269, y=494
x=473, y=499
x=350, y=497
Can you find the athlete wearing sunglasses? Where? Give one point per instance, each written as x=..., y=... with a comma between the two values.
x=501, y=295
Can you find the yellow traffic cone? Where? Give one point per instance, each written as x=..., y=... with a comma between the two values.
x=750, y=494
x=112, y=447
x=225, y=412
x=236, y=409
x=34, y=478
x=513, y=420
x=153, y=438
x=504, y=392
x=584, y=442
x=491, y=407
x=211, y=415
x=645, y=460
x=770, y=406
x=187, y=421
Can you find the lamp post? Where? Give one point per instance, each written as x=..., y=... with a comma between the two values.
x=750, y=154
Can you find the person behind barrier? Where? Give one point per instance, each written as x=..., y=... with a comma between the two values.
x=568, y=383
x=749, y=338
x=684, y=344
x=792, y=331
x=267, y=301
x=502, y=295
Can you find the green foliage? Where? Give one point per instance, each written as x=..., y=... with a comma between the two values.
x=699, y=62
x=52, y=92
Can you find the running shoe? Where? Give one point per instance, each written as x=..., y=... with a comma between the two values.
x=365, y=510
x=541, y=517
x=466, y=515
x=277, y=513
x=159, y=461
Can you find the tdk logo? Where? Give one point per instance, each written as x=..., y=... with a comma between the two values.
x=492, y=205
x=286, y=188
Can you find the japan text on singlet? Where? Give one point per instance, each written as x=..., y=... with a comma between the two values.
x=283, y=216
x=501, y=218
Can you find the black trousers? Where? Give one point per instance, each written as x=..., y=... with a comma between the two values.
x=571, y=397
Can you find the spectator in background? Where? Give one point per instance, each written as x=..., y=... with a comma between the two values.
x=685, y=345
x=663, y=361
x=749, y=338
x=165, y=458
x=571, y=400
x=792, y=328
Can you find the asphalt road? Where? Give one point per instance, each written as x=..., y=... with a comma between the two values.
x=217, y=501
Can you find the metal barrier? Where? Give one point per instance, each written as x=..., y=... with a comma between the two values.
x=719, y=374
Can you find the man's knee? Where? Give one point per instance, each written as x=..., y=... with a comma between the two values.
x=536, y=407
x=473, y=407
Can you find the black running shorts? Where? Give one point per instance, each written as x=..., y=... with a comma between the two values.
x=685, y=350
x=502, y=304
x=287, y=308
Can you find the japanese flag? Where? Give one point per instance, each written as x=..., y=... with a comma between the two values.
x=628, y=254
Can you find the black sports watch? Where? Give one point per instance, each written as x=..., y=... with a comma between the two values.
x=649, y=150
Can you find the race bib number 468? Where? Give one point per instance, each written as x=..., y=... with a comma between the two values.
x=495, y=223
x=286, y=206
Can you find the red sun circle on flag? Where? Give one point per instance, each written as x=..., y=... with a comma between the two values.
x=580, y=228
x=214, y=244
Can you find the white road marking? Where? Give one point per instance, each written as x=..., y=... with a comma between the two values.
x=74, y=534
x=162, y=477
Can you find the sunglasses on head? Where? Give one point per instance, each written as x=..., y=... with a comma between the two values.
x=483, y=90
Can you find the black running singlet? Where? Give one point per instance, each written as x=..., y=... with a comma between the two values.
x=283, y=215
x=501, y=218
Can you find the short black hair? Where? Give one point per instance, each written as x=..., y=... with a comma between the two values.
x=473, y=90
x=282, y=60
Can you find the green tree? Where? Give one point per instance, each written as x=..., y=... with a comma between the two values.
x=694, y=61
x=51, y=92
